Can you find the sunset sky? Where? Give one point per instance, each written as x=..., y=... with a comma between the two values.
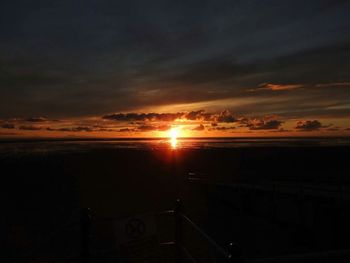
x=103, y=68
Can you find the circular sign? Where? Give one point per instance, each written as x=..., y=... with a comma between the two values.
x=135, y=228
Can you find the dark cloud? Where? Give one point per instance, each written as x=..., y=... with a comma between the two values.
x=144, y=122
x=80, y=128
x=7, y=126
x=223, y=128
x=333, y=129
x=200, y=127
x=64, y=59
x=105, y=130
x=225, y=116
x=30, y=127
x=126, y=130
x=37, y=119
x=130, y=117
x=309, y=125
x=72, y=129
x=200, y=115
x=147, y=127
x=265, y=123
x=212, y=70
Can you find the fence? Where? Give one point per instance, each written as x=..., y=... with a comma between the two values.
x=232, y=254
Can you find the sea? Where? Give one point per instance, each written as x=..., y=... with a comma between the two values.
x=45, y=146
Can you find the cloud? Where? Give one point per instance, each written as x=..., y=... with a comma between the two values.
x=72, y=129
x=334, y=84
x=29, y=127
x=223, y=128
x=265, y=123
x=147, y=127
x=164, y=127
x=333, y=129
x=105, y=130
x=282, y=87
x=126, y=130
x=8, y=133
x=308, y=125
x=200, y=115
x=200, y=127
x=129, y=117
x=7, y=126
x=36, y=119
x=225, y=116
x=280, y=130
x=277, y=87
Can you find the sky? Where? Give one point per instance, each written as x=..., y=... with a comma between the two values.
x=104, y=68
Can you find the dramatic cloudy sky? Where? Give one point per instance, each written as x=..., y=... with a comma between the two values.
x=129, y=68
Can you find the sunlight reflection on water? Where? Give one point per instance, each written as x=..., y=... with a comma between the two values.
x=173, y=143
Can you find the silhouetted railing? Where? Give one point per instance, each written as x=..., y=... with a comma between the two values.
x=231, y=255
x=183, y=254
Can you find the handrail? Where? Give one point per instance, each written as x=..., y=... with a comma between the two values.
x=188, y=254
x=207, y=237
x=233, y=254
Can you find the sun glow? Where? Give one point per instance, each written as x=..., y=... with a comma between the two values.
x=173, y=134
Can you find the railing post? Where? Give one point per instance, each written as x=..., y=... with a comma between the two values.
x=85, y=224
x=234, y=254
x=178, y=229
x=273, y=211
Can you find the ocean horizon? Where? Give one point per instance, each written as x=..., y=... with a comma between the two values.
x=46, y=146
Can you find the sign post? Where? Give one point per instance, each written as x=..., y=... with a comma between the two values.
x=137, y=240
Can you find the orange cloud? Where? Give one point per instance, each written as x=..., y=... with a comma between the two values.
x=277, y=87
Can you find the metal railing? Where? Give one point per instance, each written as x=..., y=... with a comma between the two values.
x=232, y=254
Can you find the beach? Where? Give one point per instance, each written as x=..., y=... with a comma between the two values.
x=44, y=191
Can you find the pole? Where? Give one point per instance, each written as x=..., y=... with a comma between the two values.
x=234, y=254
x=178, y=230
x=85, y=224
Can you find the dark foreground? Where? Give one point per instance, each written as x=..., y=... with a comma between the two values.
x=269, y=200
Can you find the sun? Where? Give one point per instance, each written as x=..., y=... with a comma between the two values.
x=173, y=135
